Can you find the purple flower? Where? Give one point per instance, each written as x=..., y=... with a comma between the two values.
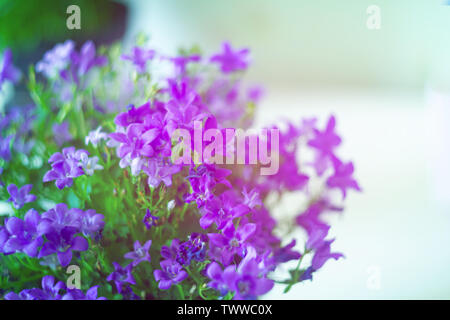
x=60, y=217
x=326, y=141
x=140, y=253
x=232, y=240
x=342, y=177
x=306, y=275
x=286, y=253
x=61, y=133
x=158, y=172
x=4, y=236
x=56, y=59
x=139, y=58
x=7, y=69
x=171, y=273
x=323, y=254
x=171, y=253
x=66, y=166
x=63, y=243
x=20, y=196
x=230, y=60
x=69, y=155
x=121, y=276
x=5, y=150
x=91, y=223
x=22, y=235
x=193, y=249
x=76, y=294
x=95, y=137
x=149, y=220
x=50, y=291
x=220, y=210
x=246, y=280
x=203, y=179
x=181, y=62
x=136, y=142
x=60, y=226
x=251, y=199
x=132, y=115
x=86, y=58
x=63, y=174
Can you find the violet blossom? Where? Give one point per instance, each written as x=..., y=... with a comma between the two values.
x=22, y=235
x=66, y=166
x=56, y=59
x=121, y=276
x=193, y=249
x=19, y=197
x=140, y=253
x=232, y=241
x=342, y=177
x=50, y=291
x=171, y=273
x=7, y=70
x=63, y=243
x=246, y=280
x=149, y=220
x=77, y=294
x=5, y=149
x=230, y=60
x=91, y=223
x=139, y=58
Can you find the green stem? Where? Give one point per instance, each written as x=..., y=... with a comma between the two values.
x=180, y=291
x=294, y=279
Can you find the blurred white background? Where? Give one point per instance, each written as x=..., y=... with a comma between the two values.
x=389, y=89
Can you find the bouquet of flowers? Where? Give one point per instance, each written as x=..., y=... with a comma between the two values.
x=136, y=175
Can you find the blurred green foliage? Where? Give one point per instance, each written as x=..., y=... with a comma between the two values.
x=25, y=24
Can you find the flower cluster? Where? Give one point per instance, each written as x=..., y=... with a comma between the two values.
x=69, y=164
x=54, y=232
x=192, y=229
x=54, y=291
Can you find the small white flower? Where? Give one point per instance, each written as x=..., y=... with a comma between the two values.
x=89, y=165
x=136, y=165
x=170, y=205
x=95, y=136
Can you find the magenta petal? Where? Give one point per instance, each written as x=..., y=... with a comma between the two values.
x=217, y=239
x=65, y=257
x=263, y=286
x=180, y=276
x=80, y=244
x=120, y=137
x=246, y=231
x=165, y=284
x=158, y=274
x=47, y=249
x=214, y=271
x=12, y=190
x=14, y=225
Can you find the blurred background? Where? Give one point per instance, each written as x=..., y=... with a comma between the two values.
x=389, y=89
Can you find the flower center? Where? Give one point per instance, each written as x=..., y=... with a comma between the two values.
x=234, y=243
